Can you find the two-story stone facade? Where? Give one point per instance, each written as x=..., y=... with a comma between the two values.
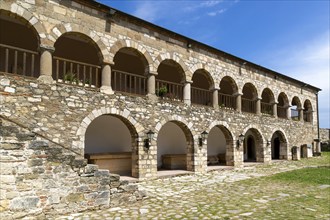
x=97, y=82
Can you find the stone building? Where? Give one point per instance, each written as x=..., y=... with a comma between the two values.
x=81, y=82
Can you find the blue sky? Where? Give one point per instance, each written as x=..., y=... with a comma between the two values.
x=290, y=37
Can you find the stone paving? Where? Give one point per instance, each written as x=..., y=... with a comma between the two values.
x=210, y=196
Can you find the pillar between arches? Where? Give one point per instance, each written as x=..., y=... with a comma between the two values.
x=275, y=109
x=187, y=92
x=238, y=101
x=106, y=79
x=151, y=85
x=258, y=106
x=46, y=61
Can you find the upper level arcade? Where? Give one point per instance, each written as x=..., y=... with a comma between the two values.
x=125, y=55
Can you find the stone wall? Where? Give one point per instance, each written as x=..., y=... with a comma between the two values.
x=41, y=178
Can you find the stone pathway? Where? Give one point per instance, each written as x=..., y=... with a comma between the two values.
x=209, y=196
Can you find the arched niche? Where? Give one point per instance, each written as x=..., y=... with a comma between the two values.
x=109, y=143
x=19, y=46
x=174, y=146
x=201, y=88
x=129, y=71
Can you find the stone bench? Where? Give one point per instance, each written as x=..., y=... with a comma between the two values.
x=118, y=163
x=174, y=161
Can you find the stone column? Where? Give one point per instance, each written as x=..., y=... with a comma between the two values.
x=151, y=84
x=301, y=114
x=215, y=101
x=187, y=92
x=258, y=106
x=46, y=61
x=106, y=79
x=238, y=101
x=275, y=109
x=288, y=112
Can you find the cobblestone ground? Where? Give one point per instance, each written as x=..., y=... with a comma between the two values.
x=220, y=195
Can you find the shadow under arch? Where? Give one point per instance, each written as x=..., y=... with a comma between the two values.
x=220, y=146
x=279, y=146
x=175, y=147
x=111, y=142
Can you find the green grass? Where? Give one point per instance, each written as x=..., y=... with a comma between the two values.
x=320, y=175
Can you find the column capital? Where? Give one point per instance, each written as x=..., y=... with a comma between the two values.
x=213, y=88
x=273, y=103
x=154, y=73
x=187, y=81
x=110, y=63
x=43, y=48
x=237, y=94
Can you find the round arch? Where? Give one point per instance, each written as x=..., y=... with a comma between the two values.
x=253, y=146
x=220, y=145
x=120, y=44
x=62, y=29
x=136, y=130
x=26, y=16
x=176, y=58
x=267, y=101
x=295, y=108
x=175, y=144
x=308, y=111
x=249, y=97
x=227, y=92
x=279, y=145
x=201, y=87
x=25, y=60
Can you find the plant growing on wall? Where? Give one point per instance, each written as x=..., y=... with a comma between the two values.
x=162, y=91
x=70, y=77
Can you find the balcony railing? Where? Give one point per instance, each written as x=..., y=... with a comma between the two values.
x=266, y=108
x=295, y=114
x=174, y=90
x=307, y=116
x=76, y=73
x=128, y=82
x=227, y=101
x=201, y=96
x=18, y=61
x=248, y=105
x=281, y=112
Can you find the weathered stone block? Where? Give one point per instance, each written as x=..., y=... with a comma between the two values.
x=11, y=146
x=22, y=203
x=38, y=145
x=75, y=197
x=101, y=173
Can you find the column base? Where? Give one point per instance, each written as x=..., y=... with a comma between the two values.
x=46, y=79
x=187, y=101
x=106, y=90
x=152, y=97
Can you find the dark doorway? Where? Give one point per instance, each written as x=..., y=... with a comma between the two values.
x=276, y=149
x=251, y=153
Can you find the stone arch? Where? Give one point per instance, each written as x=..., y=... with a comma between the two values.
x=61, y=29
x=25, y=60
x=21, y=13
x=176, y=58
x=296, y=108
x=279, y=145
x=267, y=101
x=308, y=111
x=207, y=76
x=227, y=156
x=136, y=130
x=126, y=114
x=260, y=153
x=133, y=52
x=189, y=140
x=201, y=88
x=138, y=47
x=249, y=98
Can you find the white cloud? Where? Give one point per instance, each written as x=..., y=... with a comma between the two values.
x=204, y=4
x=309, y=62
x=150, y=11
x=214, y=13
